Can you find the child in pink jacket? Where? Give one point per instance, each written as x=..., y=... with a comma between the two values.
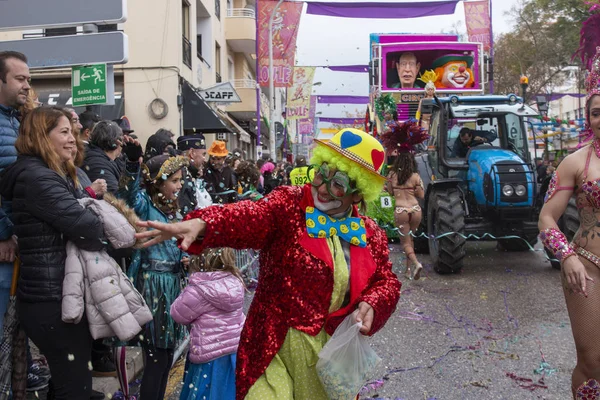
x=212, y=304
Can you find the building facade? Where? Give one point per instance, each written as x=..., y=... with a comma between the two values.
x=177, y=49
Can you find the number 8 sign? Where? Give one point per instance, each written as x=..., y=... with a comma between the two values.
x=386, y=202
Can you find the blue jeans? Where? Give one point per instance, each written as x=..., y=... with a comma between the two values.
x=6, y=272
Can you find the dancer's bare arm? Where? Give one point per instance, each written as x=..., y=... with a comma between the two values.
x=568, y=171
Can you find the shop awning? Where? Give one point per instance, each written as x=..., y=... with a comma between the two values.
x=57, y=92
x=198, y=115
x=62, y=97
x=244, y=136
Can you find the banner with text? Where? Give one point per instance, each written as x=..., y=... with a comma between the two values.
x=286, y=23
x=477, y=18
x=299, y=94
x=306, y=126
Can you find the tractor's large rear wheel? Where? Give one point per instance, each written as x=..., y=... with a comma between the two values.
x=445, y=226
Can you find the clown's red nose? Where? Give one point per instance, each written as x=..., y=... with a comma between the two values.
x=461, y=69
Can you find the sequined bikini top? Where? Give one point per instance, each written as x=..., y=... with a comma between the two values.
x=590, y=189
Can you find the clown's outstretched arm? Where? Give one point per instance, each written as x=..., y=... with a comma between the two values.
x=243, y=225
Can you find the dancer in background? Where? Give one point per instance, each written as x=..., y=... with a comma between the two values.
x=405, y=184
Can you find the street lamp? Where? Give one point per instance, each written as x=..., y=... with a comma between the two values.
x=542, y=105
x=272, y=151
x=524, y=84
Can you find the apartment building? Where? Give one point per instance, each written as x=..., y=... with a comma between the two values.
x=176, y=49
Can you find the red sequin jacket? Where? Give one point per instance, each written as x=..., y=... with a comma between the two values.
x=295, y=282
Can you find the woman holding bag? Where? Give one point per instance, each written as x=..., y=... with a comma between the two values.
x=42, y=186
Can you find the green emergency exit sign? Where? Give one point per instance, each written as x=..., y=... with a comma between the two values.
x=88, y=85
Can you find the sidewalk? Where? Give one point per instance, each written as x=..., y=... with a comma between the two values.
x=135, y=365
x=109, y=385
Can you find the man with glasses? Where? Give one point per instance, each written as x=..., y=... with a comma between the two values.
x=321, y=261
x=408, y=68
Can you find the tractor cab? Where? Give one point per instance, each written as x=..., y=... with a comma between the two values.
x=478, y=174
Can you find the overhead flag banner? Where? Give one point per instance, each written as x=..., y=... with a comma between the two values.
x=477, y=18
x=372, y=9
x=299, y=94
x=286, y=23
x=306, y=126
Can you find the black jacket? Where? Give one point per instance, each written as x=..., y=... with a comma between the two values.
x=219, y=182
x=97, y=165
x=46, y=215
x=187, y=195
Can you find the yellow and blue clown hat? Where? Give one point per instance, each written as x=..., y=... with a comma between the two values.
x=360, y=148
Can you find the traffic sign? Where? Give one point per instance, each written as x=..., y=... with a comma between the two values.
x=57, y=13
x=72, y=50
x=88, y=85
x=221, y=93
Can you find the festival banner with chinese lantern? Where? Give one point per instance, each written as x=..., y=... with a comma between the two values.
x=477, y=18
x=286, y=23
x=306, y=126
x=299, y=94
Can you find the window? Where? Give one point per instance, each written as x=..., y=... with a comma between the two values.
x=61, y=31
x=218, y=9
x=218, y=62
x=185, y=19
x=199, y=45
x=230, y=69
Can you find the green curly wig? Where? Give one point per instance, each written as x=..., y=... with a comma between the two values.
x=368, y=186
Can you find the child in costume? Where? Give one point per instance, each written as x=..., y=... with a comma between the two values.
x=405, y=184
x=320, y=261
x=157, y=271
x=212, y=304
x=579, y=174
x=429, y=77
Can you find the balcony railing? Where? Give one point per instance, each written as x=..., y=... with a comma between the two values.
x=249, y=84
x=187, y=52
x=244, y=83
x=241, y=12
x=218, y=78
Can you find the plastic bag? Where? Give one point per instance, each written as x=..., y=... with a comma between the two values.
x=346, y=361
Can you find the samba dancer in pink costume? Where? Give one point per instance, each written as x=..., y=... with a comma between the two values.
x=579, y=175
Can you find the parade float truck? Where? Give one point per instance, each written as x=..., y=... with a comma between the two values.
x=488, y=192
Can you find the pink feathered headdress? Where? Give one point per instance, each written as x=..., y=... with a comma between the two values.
x=589, y=51
x=267, y=167
x=403, y=137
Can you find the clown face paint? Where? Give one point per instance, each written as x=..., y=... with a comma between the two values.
x=324, y=202
x=456, y=75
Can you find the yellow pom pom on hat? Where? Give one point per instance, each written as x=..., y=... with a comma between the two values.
x=360, y=148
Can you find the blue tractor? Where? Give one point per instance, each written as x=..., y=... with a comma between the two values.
x=488, y=189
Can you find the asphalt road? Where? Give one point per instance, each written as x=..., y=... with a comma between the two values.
x=498, y=330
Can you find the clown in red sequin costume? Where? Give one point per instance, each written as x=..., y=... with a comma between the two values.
x=309, y=280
